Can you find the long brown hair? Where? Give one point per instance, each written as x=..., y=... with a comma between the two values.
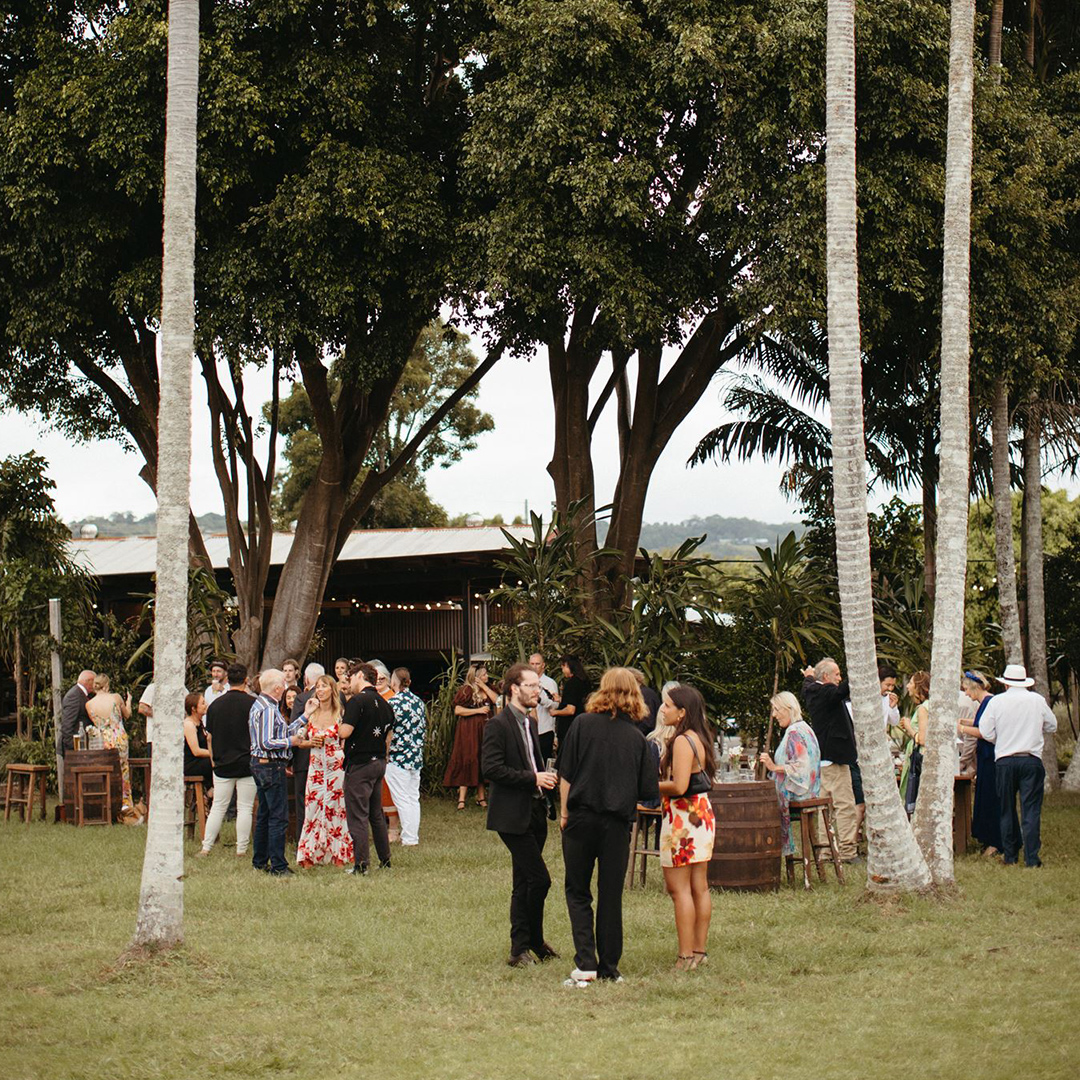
x=694, y=719
x=335, y=696
x=920, y=684
x=619, y=693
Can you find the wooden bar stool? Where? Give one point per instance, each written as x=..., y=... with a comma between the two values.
x=804, y=810
x=142, y=766
x=23, y=782
x=195, y=803
x=645, y=818
x=92, y=786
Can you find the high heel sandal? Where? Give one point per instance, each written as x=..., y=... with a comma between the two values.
x=685, y=963
x=461, y=804
x=700, y=958
x=482, y=803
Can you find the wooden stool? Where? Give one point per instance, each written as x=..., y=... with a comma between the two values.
x=87, y=780
x=142, y=765
x=804, y=810
x=28, y=780
x=193, y=787
x=639, y=831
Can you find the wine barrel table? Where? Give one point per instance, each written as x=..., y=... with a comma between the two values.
x=102, y=759
x=746, y=849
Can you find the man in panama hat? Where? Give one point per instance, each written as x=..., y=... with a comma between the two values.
x=1015, y=723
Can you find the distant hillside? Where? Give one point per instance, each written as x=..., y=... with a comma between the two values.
x=726, y=538
x=127, y=524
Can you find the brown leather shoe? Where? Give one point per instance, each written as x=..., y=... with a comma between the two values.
x=546, y=952
x=520, y=960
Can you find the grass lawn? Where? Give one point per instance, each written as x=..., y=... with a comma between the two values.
x=403, y=974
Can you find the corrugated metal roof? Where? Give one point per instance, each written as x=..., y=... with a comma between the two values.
x=113, y=556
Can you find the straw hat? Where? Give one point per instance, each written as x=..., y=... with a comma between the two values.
x=1015, y=675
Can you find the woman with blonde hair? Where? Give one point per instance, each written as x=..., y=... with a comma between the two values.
x=473, y=707
x=604, y=772
x=688, y=824
x=796, y=765
x=107, y=712
x=985, y=815
x=324, y=837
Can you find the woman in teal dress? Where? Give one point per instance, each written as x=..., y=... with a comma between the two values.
x=796, y=765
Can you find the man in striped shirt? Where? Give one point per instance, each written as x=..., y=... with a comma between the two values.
x=272, y=741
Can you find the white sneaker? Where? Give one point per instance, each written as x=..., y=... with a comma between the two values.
x=580, y=979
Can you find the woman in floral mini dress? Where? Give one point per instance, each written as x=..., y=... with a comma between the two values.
x=325, y=839
x=688, y=825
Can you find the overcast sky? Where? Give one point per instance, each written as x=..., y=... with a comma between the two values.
x=507, y=468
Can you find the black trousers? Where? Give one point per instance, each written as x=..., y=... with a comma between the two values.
x=1023, y=775
x=299, y=794
x=547, y=745
x=601, y=840
x=531, y=882
x=363, y=806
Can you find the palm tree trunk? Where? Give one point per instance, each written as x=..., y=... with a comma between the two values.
x=997, y=15
x=1003, y=528
x=160, y=922
x=19, y=704
x=934, y=812
x=1036, y=595
x=895, y=863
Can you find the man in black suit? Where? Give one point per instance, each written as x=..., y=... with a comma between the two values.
x=73, y=709
x=513, y=766
x=826, y=695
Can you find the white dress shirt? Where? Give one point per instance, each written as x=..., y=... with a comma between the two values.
x=889, y=713
x=544, y=720
x=1015, y=721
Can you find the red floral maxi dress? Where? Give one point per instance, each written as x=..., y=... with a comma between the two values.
x=325, y=839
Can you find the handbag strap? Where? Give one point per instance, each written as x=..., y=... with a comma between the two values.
x=697, y=760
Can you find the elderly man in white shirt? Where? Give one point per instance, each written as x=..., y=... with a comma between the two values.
x=1015, y=723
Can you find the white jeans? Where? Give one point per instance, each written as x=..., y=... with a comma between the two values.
x=224, y=786
x=404, y=785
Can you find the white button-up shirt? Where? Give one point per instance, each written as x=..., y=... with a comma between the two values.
x=1015, y=721
x=544, y=720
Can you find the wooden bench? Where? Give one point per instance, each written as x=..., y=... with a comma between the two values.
x=92, y=785
x=195, y=803
x=23, y=782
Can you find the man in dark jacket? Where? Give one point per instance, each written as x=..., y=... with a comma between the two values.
x=514, y=769
x=825, y=695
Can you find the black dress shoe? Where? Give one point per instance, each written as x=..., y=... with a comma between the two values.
x=285, y=871
x=385, y=864
x=520, y=960
x=546, y=952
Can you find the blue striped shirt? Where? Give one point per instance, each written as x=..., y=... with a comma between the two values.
x=269, y=732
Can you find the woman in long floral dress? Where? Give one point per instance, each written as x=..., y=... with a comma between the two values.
x=107, y=713
x=796, y=766
x=688, y=824
x=325, y=838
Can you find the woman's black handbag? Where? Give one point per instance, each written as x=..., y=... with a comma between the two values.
x=700, y=781
x=913, y=777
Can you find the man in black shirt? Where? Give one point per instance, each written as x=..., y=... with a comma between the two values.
x=606, y=771
x=366, y=729
x=514, y=769
x=826, y=694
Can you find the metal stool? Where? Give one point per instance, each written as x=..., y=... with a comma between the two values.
x=87, y=778
x=193, y=787
x=804, y=810
x=644, y=819
x=23, y=782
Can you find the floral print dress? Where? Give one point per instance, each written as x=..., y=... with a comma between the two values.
x=687, y=829
x=114, y=737
x=800, y=755
x=325, y=839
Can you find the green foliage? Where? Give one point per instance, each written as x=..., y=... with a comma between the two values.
x=439, y=739
x=440, y=361
x=210, y=621
x=20, y=750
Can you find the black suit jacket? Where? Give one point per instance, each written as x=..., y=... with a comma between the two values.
x=829, y=717
x=72, y=710
x=510, y=778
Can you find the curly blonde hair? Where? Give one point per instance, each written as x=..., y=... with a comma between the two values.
x=619, y=693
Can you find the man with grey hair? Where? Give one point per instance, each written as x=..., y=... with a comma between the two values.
x=302, y=754
x=272, y=741
x=825, y=695
x=73, y=709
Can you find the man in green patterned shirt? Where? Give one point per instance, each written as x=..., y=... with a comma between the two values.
x=406, y=757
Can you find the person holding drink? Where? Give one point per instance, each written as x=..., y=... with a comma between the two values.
x=514, y=768
x=324, y=838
